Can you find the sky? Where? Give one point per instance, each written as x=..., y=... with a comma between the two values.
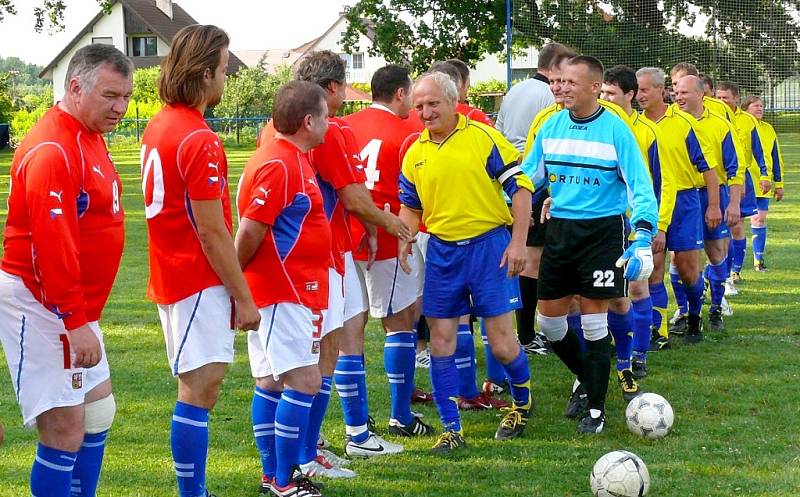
x=251, y=24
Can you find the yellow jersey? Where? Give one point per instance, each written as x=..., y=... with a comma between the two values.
x=747, y=126
x=648, y=138
x=722, y=147
x=458, y=184
x=773, y=156
x=537, y=123
x=681, y=149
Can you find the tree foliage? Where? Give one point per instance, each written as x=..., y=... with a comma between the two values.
x=251, y=92
x=50, y=14
x=6, y=105
x=745, y=40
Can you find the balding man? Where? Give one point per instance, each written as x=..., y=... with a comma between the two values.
x=453, y=179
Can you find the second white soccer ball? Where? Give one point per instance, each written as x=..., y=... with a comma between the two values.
x=620, y=474
x=649, y=415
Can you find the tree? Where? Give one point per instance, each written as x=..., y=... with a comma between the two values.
x=6, y=106
x=50, y=14
x=744, y=40
x=251, y=92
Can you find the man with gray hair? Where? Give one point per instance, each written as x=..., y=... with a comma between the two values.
x=63, y=242
x=453, y=179
x=650, y=95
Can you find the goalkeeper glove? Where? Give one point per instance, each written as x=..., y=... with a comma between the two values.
x=638, y=258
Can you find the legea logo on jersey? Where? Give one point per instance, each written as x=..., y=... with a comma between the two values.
x=570, y=179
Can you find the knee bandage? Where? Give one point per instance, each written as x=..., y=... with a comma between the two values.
x=99, y=415
x=554, y=328
x=595, y=326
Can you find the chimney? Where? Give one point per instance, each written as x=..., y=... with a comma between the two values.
x=165, y=6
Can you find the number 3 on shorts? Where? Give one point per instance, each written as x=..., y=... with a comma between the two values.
x=603, y=278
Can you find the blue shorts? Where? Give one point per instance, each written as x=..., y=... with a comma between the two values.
x=685, y=232
x=762, y=203
x=458, y=271
x=748, y=205
x=721, y=231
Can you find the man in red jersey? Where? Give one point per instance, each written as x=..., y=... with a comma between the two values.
x=62, y=246
x=341, y=180
x=195, y=277
x=381, y=131
x=283, y=244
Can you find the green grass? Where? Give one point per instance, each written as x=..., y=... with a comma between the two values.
x=735, y=396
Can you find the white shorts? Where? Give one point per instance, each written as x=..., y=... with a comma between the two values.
x=389, y=288
x=198, y=330
x=420, y=250
x=355, y=299
x=333, y=316
x=33, y=340
x=288, y=338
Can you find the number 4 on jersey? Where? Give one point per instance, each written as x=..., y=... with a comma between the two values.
x=370, y=156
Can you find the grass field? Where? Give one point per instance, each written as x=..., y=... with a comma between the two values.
x=735, y=396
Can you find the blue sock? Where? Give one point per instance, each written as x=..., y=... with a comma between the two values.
x=694, y=295
x=87, y=467
x=291, y=424
x=642, y=313
x=519, y=378
x=264, y=404
x=51, y=474
x=738, y=248
x=350, y=378
x=317, y=414
x=729, y=257
x=444, y=378
x=660, y=301
x=759, y=243
x=621, y=329
x=465, y=362
x=574, y=326
x=399, y=359
x=189, y=441
x=494, y=368
x=678, y=290
x=717, y=274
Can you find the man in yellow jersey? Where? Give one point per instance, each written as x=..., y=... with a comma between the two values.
x=453, y=179
x=715, y=105
x=682, y=152
x=747, y=126
x=772, y=153
x=636, y=313
x=651, y=98
x=722, y=151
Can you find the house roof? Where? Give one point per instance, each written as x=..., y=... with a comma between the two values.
x=156, y=20
x=352, y=94
x=311, y=45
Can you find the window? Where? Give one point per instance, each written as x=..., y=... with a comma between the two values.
x=144, y=46
x=105, y=40
x=358, y=61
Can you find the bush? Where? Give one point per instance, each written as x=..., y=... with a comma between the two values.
x=490, y=104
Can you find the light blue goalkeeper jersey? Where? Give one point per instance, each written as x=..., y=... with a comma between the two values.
x=593, y=168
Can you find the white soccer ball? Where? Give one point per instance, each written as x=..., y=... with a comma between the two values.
x=649, y=415
x=619, y=474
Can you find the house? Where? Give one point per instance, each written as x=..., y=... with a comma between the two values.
x=142, y=29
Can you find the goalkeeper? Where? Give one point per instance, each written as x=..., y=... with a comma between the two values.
x=590, y=162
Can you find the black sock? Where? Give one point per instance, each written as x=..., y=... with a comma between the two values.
x=598, y=366
x=526, y=315
x=423, y=332
x=568, y=349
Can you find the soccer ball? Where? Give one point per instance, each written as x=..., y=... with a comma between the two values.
x=649, y=415
x=619, y=474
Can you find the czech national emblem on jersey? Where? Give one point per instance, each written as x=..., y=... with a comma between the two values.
x=77, y=381
x=315, y=347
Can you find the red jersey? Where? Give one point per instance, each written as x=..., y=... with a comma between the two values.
x=65, y=228
x=474, y=114
x=380, y=134
x=278, y=188
x=182, y=160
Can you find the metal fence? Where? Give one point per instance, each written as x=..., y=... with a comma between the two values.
x=237, y=129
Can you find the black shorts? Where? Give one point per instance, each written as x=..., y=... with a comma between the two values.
x=579, y=259
x=538, y=232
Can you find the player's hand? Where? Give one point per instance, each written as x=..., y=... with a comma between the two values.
x=713, y=216
x=515, y=257
x=247, y=316
x=733, y=214
x=403, y=251
x=778, y=194
x=546, y=205
x=85, y=347
x=659, y=242
x=395, y=226
x=371, y=241
x=765, y=185
x=638, y=258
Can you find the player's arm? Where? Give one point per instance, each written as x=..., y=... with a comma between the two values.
x=664, y=189
x=644, y=208
x=410, y=209
x=249, y=237
x=357, y=200
x=730, y=160
x=260, y=204
x=777, y=169
x=758, y=155
x=534, y=167
x=53, y=215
